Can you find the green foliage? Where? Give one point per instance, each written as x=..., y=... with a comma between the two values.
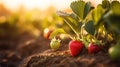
x=112, y=19
x=89, y=27
x=106, y=4
x=81, y=9
x=78, y=8
x=77, y=19
x=98, y=21
x=94, y=25
x=73, y=23
x=57, y=32
x=87, y=9
x=115, y=7
x=97, y=14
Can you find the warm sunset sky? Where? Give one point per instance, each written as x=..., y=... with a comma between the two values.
x=42, y=4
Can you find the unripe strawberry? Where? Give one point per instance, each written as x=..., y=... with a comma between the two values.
x=114, y=52
x=55, y=43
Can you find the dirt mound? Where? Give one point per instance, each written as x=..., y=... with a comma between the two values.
x=30, y=52
x=50, y=58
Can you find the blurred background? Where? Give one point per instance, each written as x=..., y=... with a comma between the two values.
x=18, y=17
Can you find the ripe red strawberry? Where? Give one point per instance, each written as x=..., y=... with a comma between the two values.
x=75, y=47
x=93, y=48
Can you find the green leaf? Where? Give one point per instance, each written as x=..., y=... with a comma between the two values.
x=72, y=25
x=106, y=4
x=71, y=20
x=74, y=17
x=115, y=7
x=112, y=23
x=78, y=8
x=112, y=19
x=97, y=14
x=57, y=32
x=87, y=9
x=89, y=27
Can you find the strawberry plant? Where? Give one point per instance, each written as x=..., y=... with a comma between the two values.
x=92, y=26
x=108, y=19
x=79, y=22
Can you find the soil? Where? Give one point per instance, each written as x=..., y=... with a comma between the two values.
x=27, y=51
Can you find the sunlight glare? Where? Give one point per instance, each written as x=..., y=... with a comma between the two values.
x=41, y=4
